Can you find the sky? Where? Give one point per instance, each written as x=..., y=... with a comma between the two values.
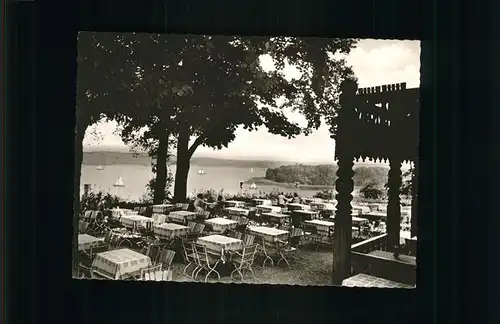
x=374, y=62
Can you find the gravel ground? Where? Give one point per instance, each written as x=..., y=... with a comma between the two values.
x=307, y=267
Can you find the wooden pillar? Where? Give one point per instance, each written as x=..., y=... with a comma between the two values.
x=343, y=220
x=393, y=206
x=414, y=201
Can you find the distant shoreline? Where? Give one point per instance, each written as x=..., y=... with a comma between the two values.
x=264, y=181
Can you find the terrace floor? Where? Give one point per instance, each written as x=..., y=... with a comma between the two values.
x=307, y=267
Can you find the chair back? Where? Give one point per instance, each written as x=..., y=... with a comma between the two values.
x=150, y=273
x=249, y=254
x=184, y=206
x=98, y=249
x=248, y=239
x=142, y=211
x=82, y=226
x=200, y=253
x=87, y=214
x=96, y=215
x=187, y=249
x=235, y=234
x=137, y=209
x=235, y=218
x=192, y=226
x=296, y=232
x=165, y=257
x=199, y=228
x=243, y=221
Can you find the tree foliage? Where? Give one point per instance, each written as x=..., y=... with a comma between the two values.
x=202, y=88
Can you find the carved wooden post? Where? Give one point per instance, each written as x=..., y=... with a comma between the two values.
x=343, y=220
x=414, y=200
x=393, y=205
x=344, y=184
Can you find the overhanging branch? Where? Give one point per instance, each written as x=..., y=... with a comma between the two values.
x=195, y=145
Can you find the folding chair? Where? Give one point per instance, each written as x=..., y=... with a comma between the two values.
x=244, y=261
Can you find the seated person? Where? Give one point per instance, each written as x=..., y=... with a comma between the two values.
x=282, y=200
x=217, y=207
x=296, y=198
x=199, y=204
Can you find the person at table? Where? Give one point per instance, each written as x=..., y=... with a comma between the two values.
x=217, y=207
x=199, y=204
x=296, y=199
x=282, y=200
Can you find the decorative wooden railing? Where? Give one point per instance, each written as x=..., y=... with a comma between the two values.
x=371, y=244
x=362, y=262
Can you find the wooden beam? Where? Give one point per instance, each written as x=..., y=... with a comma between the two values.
x=393, y=205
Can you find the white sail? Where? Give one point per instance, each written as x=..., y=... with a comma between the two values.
x=119, y=183
x=100, y=167
x=251, y=170
x=253, y=186
x=201, y=171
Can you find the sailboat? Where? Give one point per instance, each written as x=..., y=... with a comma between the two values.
x=100, y=167
x=251, y=170
x=253, y=186
x=201, y=172
x=119, y=183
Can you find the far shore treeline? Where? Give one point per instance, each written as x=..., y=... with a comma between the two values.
x=325, y=174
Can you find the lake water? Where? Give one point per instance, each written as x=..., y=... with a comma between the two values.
x=135, y=178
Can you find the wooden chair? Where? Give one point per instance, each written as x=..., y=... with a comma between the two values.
x=244, y=261
x=296, y=235
x=151, y=273
x=248, y=239
x=165, y=258
x=184, y=207
x=98, y=249
x=82, y=226
x=191, y=226
x=206, y=261
x=235, y=234
x=284, y=248
x=189, y=257
x=263, y=251
x=85, y=272
x=234, y=218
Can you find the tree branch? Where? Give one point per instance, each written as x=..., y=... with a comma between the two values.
x=195, y=145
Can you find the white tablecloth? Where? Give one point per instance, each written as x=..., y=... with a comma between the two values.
x=117, y=263
x=220, y=243
x=268, y=209
x=168, y=231
x=265, y=202
x=163, y=208
x=159, y=218
x=235, y=203
x=268, y=233
x=86, y=241
x=236, y=211
x=130, y=220
x=294, y=206
x=182, y=216
x=221, y=224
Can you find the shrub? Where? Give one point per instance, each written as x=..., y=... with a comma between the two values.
x=325, y=194
x=372, y=191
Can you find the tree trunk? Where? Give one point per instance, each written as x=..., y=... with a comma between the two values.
x=79, y=135
x=183, y=165
x=161, y=170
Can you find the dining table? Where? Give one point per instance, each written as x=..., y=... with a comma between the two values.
x=86, y=241
x=168, y=231
x=221, y=244
x=221, y=224
x=119, y=264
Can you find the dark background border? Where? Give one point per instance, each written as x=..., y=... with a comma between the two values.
x=39, y=150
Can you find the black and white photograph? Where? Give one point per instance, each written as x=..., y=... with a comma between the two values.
x=256, y=160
